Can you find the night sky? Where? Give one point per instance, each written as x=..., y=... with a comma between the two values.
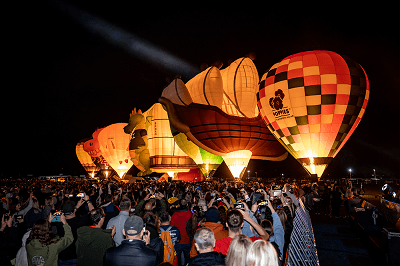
x=67, y=81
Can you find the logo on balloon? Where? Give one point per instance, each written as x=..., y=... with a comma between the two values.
x=276, y=103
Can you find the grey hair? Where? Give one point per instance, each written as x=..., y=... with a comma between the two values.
x=204, y=238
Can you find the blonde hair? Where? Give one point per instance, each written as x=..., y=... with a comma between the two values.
x=261, y=253
x=238, y=250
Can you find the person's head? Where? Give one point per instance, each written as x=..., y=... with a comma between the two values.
x=35, y=205
x=97, y=217
x=152, y=220
x=164, y=217
x=148, y=207
x=183, y=203
x=42, y=231
x=282, y=216
x=125, y=205
x=238, y=250
x=268, y=227
x=68, y=208
x=212, y=215
x=261, y=253
x=234, y=221
x=133, y=227
x=49, y=201
x=204, y=240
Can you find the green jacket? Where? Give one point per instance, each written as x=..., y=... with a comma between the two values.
x=39, y=254
x=92, y=244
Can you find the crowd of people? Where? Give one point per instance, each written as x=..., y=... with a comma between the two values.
x=155, y=223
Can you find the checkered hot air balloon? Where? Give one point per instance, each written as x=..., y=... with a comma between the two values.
x=312, y=102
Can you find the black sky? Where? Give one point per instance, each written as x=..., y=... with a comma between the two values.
x=66, y=82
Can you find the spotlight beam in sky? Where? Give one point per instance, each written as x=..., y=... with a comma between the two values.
x=135, y=45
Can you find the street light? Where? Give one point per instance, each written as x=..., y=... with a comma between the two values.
x=350, y=172
x=248, y=173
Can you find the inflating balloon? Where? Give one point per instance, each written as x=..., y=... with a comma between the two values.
x=114, y=145
x=312, y=102
x=138, y=146
x=92, y=147
x=85, y=159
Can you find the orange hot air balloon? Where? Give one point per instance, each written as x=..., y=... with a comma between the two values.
x=312, y=102
x=114, y=145
x=85, y=159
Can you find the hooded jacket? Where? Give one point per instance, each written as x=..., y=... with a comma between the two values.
x=39, y=254
x=92, y=244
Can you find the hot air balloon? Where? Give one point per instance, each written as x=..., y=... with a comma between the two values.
x=165, y=154
x=206, y=161
x=138, y=146
x=92, y=147
x=85, y=159
x=234, y=132
x=114, y=145
x=312, y=102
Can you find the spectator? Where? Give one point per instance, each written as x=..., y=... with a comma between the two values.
x=261, y=253
x=119, y=220
x=68, y=256
x=49, y=206
x=133, y=250
x=149, y=204
x=235, y=220
x=204, y=242
x=212, y=218
x=110, y=209
x=179, y=219
x=153, y=226
x=42, y=246
x=238, y=250
x=34, y=214
x=165, y=220
x=8, y=239
x=93, y=241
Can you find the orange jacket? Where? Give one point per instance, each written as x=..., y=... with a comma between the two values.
x=219, y=233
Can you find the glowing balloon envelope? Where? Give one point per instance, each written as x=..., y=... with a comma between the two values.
x=240, y=83
x=85, y=159
x=312, y=102
x=165, y=154
x=114, y=145
x=206, y=161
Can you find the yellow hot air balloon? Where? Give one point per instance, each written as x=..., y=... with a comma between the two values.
x=240, y=83
x=312, y=102
x=165, y=154
x=114, y=145
x=85, y=159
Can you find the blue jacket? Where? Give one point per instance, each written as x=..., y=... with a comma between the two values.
x=279, y=234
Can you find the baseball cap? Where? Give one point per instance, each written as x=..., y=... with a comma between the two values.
x=133, y=225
